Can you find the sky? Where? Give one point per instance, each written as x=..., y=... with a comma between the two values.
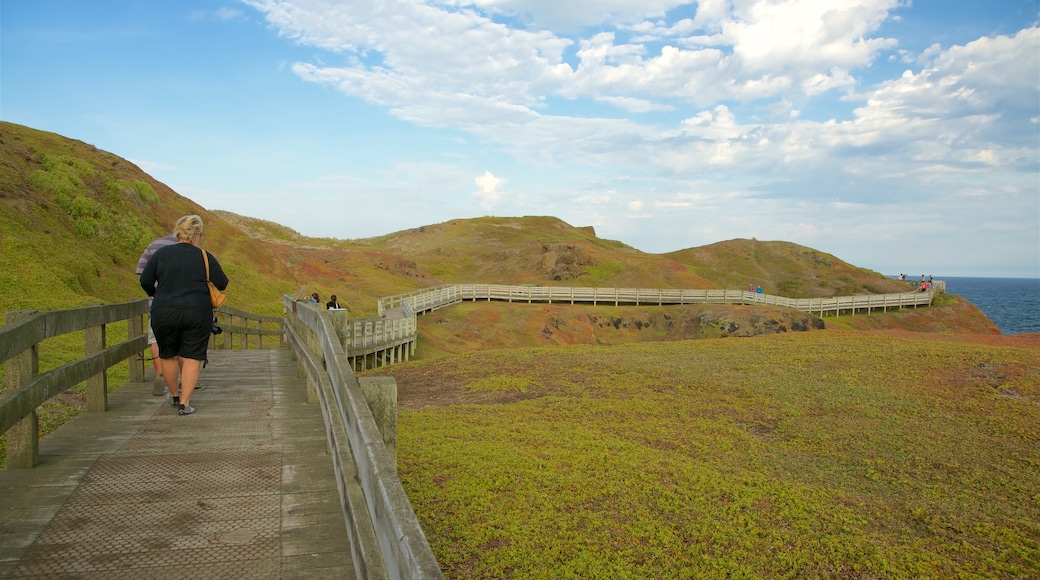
x=900, y=136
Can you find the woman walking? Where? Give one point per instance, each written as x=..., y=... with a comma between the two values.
x=182, y=316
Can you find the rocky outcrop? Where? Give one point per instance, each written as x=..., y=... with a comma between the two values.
x=564, y=261
x=720, y=323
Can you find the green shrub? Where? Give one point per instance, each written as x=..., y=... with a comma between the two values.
x=119, y=189
x=145, y=191
x=59, y=185
x=86, y=227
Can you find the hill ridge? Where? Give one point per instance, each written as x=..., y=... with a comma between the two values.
x=58, y=193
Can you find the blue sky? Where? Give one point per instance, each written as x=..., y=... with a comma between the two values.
x=899, y=136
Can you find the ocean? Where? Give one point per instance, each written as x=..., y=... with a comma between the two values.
x=1013, y=304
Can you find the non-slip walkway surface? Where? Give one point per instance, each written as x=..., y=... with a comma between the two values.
x=241, y=489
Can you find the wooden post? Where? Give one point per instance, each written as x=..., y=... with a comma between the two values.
x=135, y=327
x=313, y=344
x=227, y=335
x=381, y=395
x=97, y=385
x=23, y=440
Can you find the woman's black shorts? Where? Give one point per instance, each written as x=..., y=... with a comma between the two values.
x=181, y=332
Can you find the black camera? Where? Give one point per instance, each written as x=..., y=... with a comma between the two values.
x=217, y=329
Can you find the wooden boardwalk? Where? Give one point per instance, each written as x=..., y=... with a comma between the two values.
x=243, y=488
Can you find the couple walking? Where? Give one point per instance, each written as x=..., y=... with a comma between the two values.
x=175, y=277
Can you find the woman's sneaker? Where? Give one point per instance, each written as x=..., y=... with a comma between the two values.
x=186, y=410
x=174, y=401
x=159, y=386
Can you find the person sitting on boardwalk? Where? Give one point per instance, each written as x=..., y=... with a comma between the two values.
x=182, y=315
x=333, y=304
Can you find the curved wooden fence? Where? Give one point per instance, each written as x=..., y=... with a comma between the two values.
x=428, y=299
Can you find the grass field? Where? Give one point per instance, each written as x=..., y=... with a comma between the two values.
x=837, y=454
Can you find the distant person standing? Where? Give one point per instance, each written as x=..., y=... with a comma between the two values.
x=182, y=315
x=314, y=299
x=333, y=304
x=159, y=387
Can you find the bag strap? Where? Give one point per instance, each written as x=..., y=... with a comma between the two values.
x=205, y=258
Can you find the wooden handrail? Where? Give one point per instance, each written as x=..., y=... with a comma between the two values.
x=386, y=539
x=26, y=389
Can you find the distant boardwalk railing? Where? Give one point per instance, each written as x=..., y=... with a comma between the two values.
x=428, y=299
x=376, y=341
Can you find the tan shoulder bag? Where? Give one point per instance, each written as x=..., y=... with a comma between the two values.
x=216, y=297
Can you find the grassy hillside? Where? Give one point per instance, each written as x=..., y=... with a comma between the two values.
x=74, y=219
x=532, y=250
x=783, y=268
x=59, y=194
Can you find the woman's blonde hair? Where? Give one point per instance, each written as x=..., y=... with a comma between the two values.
x=187, y=228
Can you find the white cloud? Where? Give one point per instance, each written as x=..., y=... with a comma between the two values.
x=488, y=190
x=753, y=100
x=635, y=105
x=573, y=14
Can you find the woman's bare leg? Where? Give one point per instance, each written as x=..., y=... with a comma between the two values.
x=169, y=366
x=189, y=376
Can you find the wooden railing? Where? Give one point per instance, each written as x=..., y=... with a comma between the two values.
x=428, y=299
x=26, y=389
x=379, y=340
x=386, y=540
x=246, y=326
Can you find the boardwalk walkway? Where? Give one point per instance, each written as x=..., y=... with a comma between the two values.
x=241, y=489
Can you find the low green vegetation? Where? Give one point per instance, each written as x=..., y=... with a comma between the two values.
x=837, y=454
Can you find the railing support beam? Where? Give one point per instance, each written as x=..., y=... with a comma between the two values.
x=22, y=440
x=97, y=385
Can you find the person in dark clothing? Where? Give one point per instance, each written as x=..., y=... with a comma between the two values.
x=160, y=383
x=333, y=304
x=182, y=316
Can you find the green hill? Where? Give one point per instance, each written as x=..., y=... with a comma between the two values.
x=784, y=269
x=74, y=219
